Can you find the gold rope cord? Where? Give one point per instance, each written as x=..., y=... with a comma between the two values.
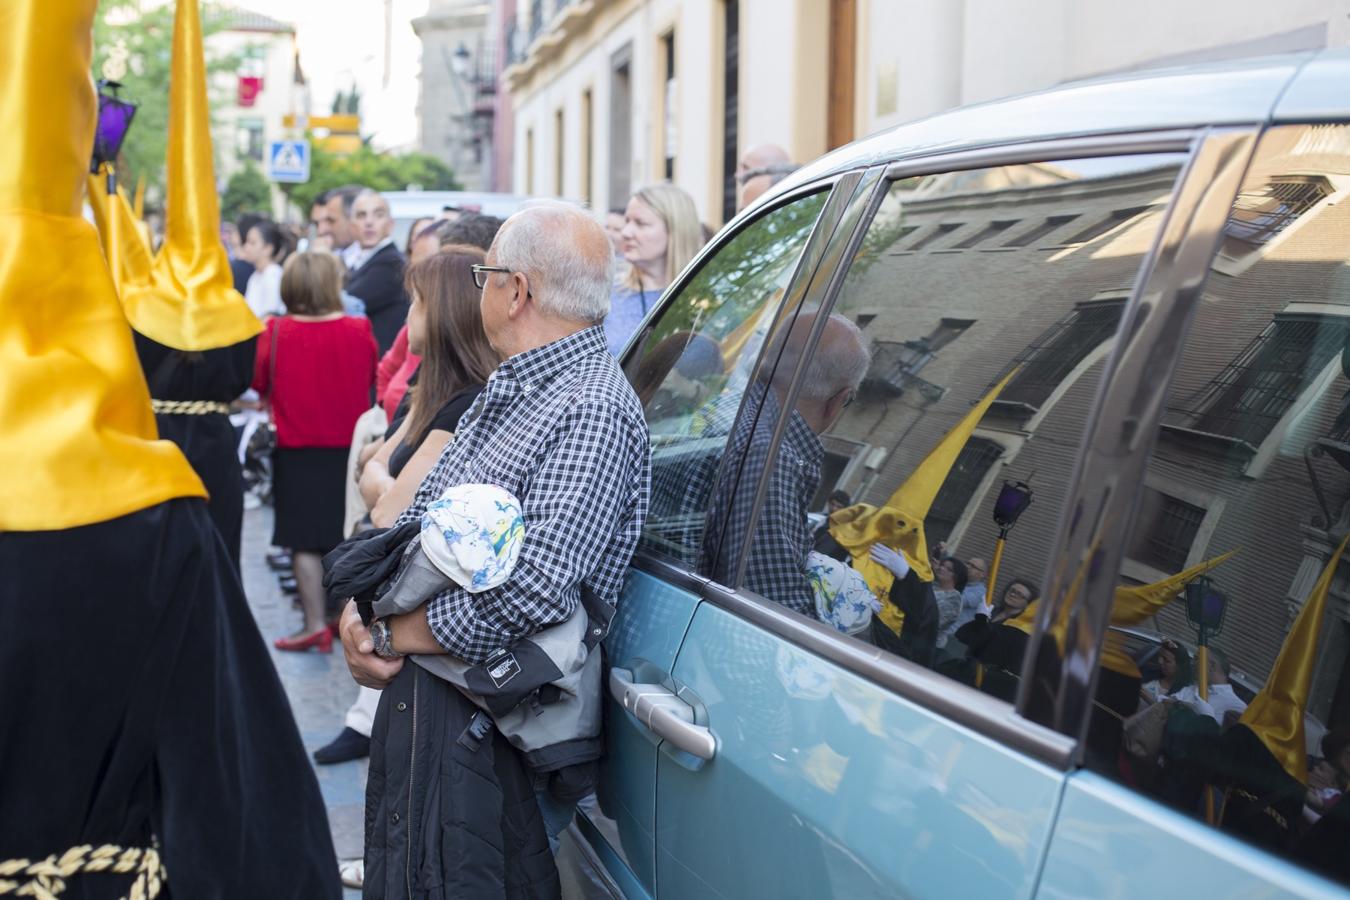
x=189, y=407
x=46, y=878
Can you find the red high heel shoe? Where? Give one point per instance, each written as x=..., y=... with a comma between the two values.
x=321, y=640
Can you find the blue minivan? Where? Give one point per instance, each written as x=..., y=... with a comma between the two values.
x=1118, y=310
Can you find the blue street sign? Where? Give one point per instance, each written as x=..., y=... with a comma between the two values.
x=288, y=161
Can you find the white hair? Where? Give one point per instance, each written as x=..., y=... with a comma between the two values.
x=544, y=242
x=840, y=361
x=366, y=192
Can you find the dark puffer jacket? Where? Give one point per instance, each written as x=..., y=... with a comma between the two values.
x=450, y=808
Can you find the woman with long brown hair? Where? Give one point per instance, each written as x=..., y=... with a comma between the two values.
x=445, y=329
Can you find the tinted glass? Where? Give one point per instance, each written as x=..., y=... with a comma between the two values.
x=693, y=366
x=963, y=355
x=1245, y=503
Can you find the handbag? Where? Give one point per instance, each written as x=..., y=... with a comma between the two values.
x=1143, y=731
x=267, y=434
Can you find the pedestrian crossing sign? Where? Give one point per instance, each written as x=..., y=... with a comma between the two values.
x=288, y=161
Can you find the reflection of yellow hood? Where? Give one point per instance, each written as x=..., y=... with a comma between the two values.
x=188, y=302
x=1276, y=713
x=899, y=522
x=1132, y=604
x=79, y=443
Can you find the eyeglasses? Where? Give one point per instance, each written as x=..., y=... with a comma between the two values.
x=780, y=170
x=480, y=274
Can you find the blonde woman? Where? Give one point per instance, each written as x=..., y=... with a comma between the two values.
x=661, y=234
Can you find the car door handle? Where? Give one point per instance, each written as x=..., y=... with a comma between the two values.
x=665, y=714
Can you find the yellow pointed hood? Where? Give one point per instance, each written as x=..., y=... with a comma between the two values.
x=899, y=522
x=190, y=302
x=1276, y=713
x=1132, y=604
x=97, y=197
x=77, y=437
x=138, y=206
x=128, y=254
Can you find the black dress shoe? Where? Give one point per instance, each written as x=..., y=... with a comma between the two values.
x=289, y=585
x=279, y=561
x=348, y=745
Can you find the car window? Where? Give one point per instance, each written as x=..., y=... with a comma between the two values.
x=950, y=384
x=692, y=368
x=1241, y=516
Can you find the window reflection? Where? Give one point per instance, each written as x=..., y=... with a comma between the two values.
x=693, y=366
x=989, y=300
x=1241, y=664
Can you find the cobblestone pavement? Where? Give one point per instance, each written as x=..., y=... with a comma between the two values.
x=318, y=685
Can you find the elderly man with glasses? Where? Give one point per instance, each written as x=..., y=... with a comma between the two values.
x=560, y=429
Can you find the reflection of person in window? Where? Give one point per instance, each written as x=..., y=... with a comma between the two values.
x=1174, y=673
x=673, y=378
x=998, y=644
x=783, y=537
x=950, y=578
x=914, y=598
x=1222, y=705
x=825, y=542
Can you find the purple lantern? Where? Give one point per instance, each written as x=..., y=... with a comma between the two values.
x=1013, y=500
x=114, y=120
x=1205, y=606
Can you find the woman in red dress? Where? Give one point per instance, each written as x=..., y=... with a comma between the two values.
x=315, y=365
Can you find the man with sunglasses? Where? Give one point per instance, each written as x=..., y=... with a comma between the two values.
x=559, y=428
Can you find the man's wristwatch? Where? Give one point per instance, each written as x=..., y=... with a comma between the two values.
x=383, y=640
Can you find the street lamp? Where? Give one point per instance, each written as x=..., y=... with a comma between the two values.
x=1013, y=500
x=114, y=121
x=459, y=61
x=1205, y=607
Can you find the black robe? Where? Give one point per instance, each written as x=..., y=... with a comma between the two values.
x=917, y=639
x=140, y=704
x=208, y=441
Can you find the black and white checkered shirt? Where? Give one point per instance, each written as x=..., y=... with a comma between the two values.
x=717, y=491
x=561, y=429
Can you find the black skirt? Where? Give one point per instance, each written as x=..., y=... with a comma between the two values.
x=309, y=489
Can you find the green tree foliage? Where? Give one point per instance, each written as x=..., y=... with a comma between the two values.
x=146, y=33
x=748, y=272
x=380, y=171
x=247, y=191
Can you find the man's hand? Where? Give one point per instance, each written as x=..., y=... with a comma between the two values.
x=367, y=668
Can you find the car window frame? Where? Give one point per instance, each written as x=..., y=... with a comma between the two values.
x=1060, y=747
x=1120, y=437
x=839, y=189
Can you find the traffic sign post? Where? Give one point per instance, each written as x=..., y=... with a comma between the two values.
x=288, y=161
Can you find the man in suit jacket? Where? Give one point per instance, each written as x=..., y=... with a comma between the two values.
x=376, y=273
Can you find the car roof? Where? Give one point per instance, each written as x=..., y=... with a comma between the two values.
x=1231, y=92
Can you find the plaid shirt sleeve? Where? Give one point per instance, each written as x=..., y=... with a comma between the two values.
x=589, y=477
x=776, y=568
